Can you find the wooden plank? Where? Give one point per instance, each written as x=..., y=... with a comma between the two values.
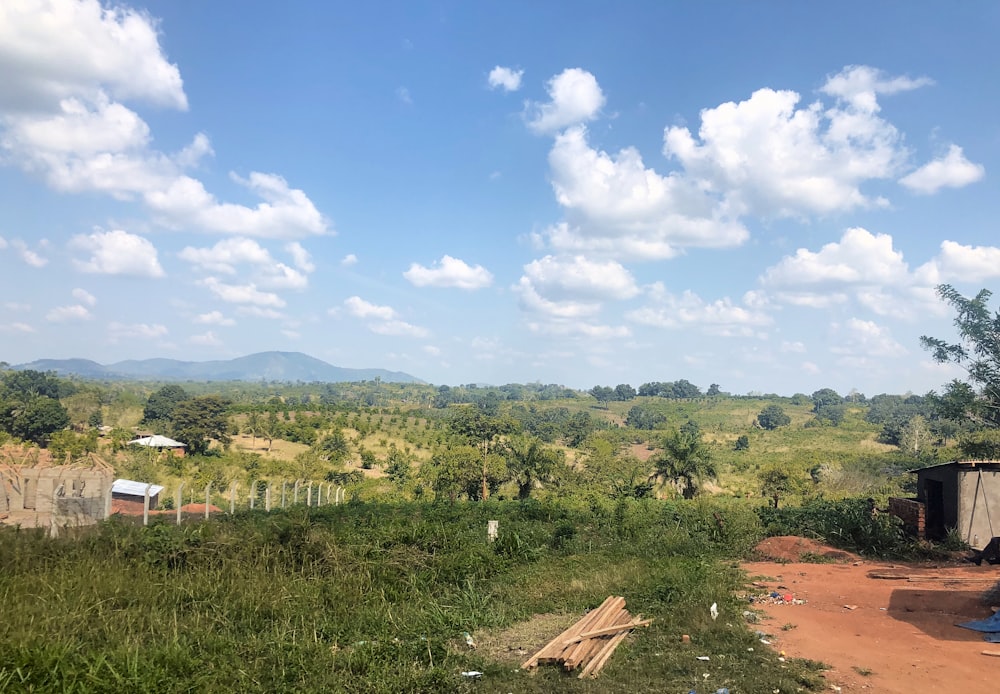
x=598, y=662
x=611, y=615
x=549, y=649
x=608, y=631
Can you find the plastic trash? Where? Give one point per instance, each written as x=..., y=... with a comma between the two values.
x=468, y=639
x=703, y=657
x=714, y=611
x=472, y=673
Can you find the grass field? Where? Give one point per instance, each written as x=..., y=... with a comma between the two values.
x=376, y=597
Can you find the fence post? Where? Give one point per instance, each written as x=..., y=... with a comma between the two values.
x=179, y=501
x=295, y=497
x=284, y=483
x=232, y=497
x=208, y=498
x=253, y=493
x=309, y=493
x=267, y=497
x=491, y=530
x=145, y=505
x=107, y=499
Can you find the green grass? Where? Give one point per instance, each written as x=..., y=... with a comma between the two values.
x=375, y=597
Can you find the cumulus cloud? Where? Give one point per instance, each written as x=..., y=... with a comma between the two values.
x=136, y=331
x=505, y=78
x=30, y=257
x=16, y=327
x=579, y=277
x=117, y=252
x=957, y=262
x=721, y=317
x=227, y=255
x=580, y=329
x=383, y=320
x=862, y=339
x=615, y=205
x=207, y=339
x=214, y=318
x=54, y=49
x=768, y=156
x=534, y=302
x=70, y=65
x=84, y=297
x=349, y=260
x=300, y=256
x=449, y=272
x=952, y=170
x=243, y=294
x=73, y=312
x=359, y=308
x=860, y=257
x=574, y=97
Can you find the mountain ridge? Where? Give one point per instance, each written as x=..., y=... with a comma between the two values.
x=279, y=366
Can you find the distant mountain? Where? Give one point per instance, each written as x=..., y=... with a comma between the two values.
x=264, y=366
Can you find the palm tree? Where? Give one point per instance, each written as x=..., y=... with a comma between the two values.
x=253, y=426
x=528, y=462
x=686, y=461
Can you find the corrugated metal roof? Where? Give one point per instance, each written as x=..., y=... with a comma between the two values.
x=133, y=488
x=962, y=464
x=157, y=441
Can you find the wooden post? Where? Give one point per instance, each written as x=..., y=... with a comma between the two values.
x=208, y=498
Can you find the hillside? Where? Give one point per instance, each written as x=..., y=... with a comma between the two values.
x=264, y=366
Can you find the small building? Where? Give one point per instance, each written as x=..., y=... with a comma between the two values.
x=162, y=443
x=963, y=495
x=129, y=496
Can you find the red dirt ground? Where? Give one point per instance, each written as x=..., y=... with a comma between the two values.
x=899, y=638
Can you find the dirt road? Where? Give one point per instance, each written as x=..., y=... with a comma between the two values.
x=882, y=635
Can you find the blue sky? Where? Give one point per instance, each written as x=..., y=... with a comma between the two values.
x=759, y=195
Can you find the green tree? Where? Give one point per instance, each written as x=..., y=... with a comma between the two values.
x=451, y=471
x=29, y=384
x=624, y=392
x=977, y=351
x=742, y=443
x=335, y=446
x=642, y=417
x=253, y=426
x=772, y=417
x=603, y=394
x=485, y=432
x=685, y=460
x=200, y=419
x=398, y=466
x=37, y=419
x=529, y=461
x=713, y=390
x=776, y=483
x=828, y=406
x=161, y=404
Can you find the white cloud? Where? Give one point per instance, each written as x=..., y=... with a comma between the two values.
x=403, y=94
x=54, y=49
x=16, y=328
x=532, y=301
x=73, y=312
x=300, y=256
x=582, y=329
x=767, y=157
x=792, y=347
x=348, y=260
x=259, y=312
x=952, y=170
x=721, y=317
x=225, y=255
x=449, y=272
x=867, y=339
x=570, y=278
x=432, y=350
x=860, y=85
x=242, y=293
x=207, y=339
x=214, y=318
x=359, y=308
x=29, y=256
x=958, y=262
x=574, y=97
x=84, y=297
x=398, y=328
x=138, y=331
x=860, y=257
x=506, y=78
x=291, y=334
x=617, y=206
x=3, y=243
x=117, y=252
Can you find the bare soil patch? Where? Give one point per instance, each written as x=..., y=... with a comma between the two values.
x=792, y=548
x=892, y=636
x=518, y=641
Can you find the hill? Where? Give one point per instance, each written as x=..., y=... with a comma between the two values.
x=263, y=366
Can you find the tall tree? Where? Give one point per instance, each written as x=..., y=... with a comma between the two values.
x=772, y=417
x=603, y=394
x=161, y=404
x=977, y=351
x=200, y=419
x=484, y=432
x=686, y=460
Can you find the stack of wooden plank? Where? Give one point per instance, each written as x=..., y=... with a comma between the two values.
x=590, y=642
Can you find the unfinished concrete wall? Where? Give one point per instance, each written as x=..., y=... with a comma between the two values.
x=65, y=494
x=938, y=489
x=979, y=505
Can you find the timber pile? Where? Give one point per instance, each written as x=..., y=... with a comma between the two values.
x=589, y=643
